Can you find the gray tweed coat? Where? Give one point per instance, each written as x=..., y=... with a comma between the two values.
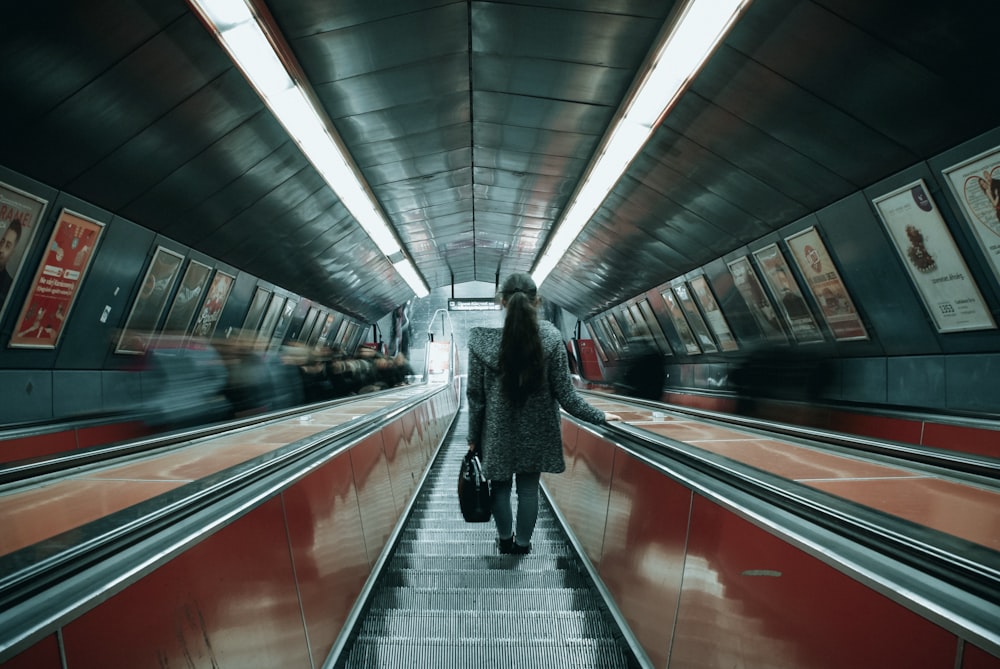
x=526, y=439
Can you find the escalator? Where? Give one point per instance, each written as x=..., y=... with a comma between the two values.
x=447, y=599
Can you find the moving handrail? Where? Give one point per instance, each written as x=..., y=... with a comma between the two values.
x=44, y=584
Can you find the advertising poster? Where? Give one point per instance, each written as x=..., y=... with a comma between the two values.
x=57, y=281
x=313, y=337
x=215, y=300
x=976, y=185
x=763, y=312
x=284, y=320
x=714, y=317
x=186, y=300
x=695, y=320
x=255, y=313
x=324, y=335
x=603, y=337
x=680, y=323
x=598, y=346
x=271, y=318
x=308, y=324
x=611, y=344
x=791, y=303
x=654, y=327
x=150, y=301
x=20, y=216
x=932, y=259
x=823, y=279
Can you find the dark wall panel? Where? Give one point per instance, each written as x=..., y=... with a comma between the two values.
x=111, y=282
x=27, y=395
x=876, y=280
x=916, y=381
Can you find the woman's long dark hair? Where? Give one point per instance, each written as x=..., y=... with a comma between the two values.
x=521, y=360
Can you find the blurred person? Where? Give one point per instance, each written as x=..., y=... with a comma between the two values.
x=188, y=382
x=248, y=380
x=802, y=374
x=8, y=242
x=518, y=378
x=644, y=370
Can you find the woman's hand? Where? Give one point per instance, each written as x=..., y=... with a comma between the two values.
x=608, y=417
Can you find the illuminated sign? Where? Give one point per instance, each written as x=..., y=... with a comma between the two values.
x=472, y=304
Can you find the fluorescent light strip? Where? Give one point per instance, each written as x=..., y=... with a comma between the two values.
x=244, y=39
x=698, y=30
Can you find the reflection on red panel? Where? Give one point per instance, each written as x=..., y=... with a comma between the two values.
x=378, y=510
x=228, y=602
x=643, y=558
x=881, y=427
x=780, y=607
x=964, y=439
x=560, y=486
x=591, y=487
x=401, y=482
x=43, y=655
x=977, y=658
x=328, y=549
x=108, y=434
x=36, y=446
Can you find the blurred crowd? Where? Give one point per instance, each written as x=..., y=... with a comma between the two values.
x=191, y=381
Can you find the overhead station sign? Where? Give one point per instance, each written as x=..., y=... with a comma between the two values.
x=472, y=304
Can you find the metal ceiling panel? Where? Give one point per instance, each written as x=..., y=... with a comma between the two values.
x=473, y=122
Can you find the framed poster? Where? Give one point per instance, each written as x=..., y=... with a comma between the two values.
x=810, y=254
x=714, y=317
x=215, y=300
x=308, y=324
x=932, y=259
x=256, y=311
x=607, y=337
x=600, y=339
x=680, y=323
x=57, y=281
x=312, y=337
x=760, y=306
x=654, y=327
x=694, y=318
x=185, y=303
x=791, y=303
x=976, y=185
x=271, y=317
x=150, y=301
x=20, y=216
x=598, y=346
x=284, y=320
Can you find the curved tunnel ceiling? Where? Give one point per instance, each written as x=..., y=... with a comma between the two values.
x=473, y=122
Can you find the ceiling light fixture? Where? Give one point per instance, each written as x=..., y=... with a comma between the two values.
x=684, y=47
x=242, y=34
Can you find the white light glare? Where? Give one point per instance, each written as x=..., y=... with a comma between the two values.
x=248, y=46
x=700, y=28
x=409, y=274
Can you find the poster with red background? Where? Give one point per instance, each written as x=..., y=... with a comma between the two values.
x=57, y=281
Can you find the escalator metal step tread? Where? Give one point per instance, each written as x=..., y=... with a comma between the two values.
x=487, y=654
x=486, y=599
x=446, y=597
x=498, y=624
x=411, y=578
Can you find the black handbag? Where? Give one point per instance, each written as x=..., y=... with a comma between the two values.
x=474, y=491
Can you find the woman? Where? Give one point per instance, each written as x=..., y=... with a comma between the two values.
x=518, y=378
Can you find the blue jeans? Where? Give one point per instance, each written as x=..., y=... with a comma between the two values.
x=527, y=506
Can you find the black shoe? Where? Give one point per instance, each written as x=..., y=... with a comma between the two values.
x=505, y=546
x=518, y=549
